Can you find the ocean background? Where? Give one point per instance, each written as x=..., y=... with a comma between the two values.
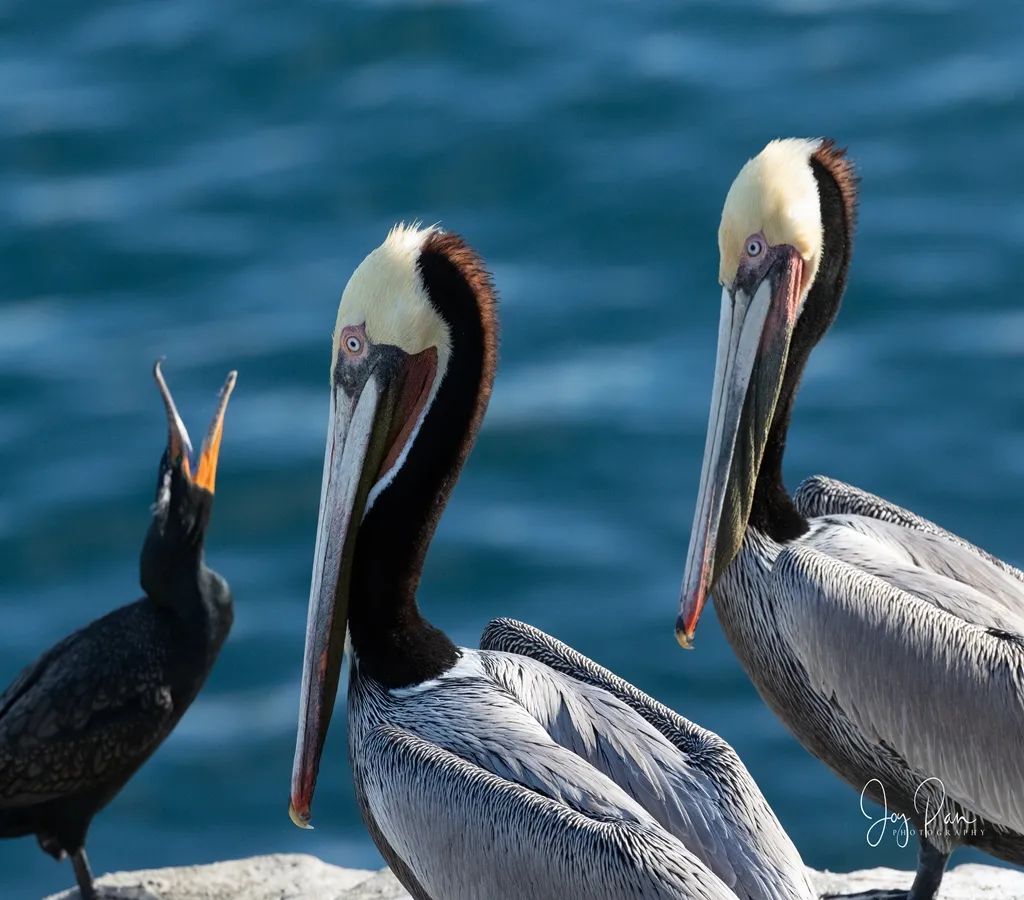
x=197, y=180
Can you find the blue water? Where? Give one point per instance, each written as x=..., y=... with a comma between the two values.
x=197, y=180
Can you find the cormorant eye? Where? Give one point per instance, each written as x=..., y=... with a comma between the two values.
x=755, y=247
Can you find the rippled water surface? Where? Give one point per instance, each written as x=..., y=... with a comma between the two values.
x=197, y=180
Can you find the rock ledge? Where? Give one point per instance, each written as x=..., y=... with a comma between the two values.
x=296, y=877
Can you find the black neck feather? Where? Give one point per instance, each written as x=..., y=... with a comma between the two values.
x=393, y=643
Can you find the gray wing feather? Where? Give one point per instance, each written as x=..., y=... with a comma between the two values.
x=472, y=716
x=513, y=636
x=822, y=496
x=685, y=776
x=913, y=554
x=466, y=833
x=915, y=673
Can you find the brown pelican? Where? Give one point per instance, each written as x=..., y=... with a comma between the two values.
x=79, y=722
x=487, y=773
x=892, y=649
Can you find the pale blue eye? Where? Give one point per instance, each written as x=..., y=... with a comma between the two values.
x=353, y=344
x=755, y=247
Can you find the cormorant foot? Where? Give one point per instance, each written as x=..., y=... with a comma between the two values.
x=51, y=846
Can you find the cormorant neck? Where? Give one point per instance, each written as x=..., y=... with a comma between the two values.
x=392, y=641
x=773, y=511
x=174, y=575
x=171, y=567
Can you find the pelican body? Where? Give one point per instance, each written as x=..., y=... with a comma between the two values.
x=79, y=722
x=519, y=769
x=892, y=649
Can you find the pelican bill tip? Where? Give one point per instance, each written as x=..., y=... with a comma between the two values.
x=684, y=635
x=299, y=819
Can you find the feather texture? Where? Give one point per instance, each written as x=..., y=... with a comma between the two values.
x=875, y=636
x=543, y=750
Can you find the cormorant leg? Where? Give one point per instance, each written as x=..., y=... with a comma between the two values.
x=931, y=863
x=83, y=874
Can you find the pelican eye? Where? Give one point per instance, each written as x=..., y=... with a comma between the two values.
x=755, y=247
x=353, y=344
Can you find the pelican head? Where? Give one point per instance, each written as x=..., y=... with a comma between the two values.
x=392, y=351
x=775, y=245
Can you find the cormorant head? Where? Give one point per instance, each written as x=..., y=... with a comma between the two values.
x=172, y=555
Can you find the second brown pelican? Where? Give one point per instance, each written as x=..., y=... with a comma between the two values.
x=523, y=775
x=892, y=649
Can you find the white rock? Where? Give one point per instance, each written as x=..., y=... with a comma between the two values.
x=276, y=877
x=295, y=876
x=966, y=882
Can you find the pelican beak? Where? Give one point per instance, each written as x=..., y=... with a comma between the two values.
x=754, y=335
x=371, y=409
x=179, y=446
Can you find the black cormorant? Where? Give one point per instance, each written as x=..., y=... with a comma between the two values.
x=80, y=721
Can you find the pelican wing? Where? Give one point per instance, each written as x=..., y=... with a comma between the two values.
x=913, y=554
x=687, y=777
x=466, y=833
x=944, y=694
x=513, y=636
x=822, y=496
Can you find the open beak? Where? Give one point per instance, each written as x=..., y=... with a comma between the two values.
x=179, y=446
x=367, y=430
x=754, y=335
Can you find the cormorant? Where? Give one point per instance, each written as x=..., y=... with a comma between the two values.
x=80, y=721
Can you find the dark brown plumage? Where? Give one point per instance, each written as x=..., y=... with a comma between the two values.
x=395, y=644
x=839, y=165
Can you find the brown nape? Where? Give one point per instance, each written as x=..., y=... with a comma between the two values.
x=473, y=271
x=841, y=168
x=394, y=644
x=773, y=511
x=471, y=267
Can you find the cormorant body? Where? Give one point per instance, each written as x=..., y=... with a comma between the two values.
x=79, y=722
